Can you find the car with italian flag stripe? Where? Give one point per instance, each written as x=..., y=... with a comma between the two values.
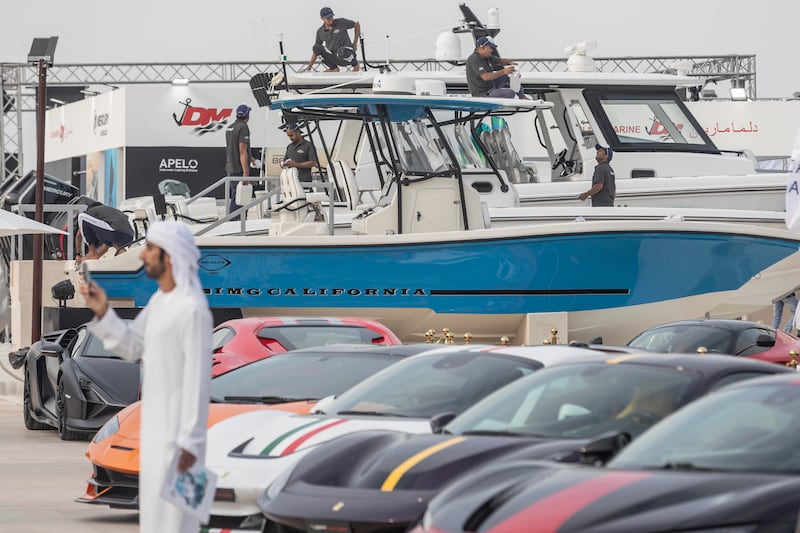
x=249, y=451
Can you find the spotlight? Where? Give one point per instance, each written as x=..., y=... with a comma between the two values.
x=180, y=81
x=62, y=291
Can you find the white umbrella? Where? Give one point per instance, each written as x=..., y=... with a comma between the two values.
x=11, y=224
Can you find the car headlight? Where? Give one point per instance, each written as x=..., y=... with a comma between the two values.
x=110, y=428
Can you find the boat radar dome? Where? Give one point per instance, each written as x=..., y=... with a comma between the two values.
x=448, y=47
x=394, y=84
x=493, y=19
x=578, y=60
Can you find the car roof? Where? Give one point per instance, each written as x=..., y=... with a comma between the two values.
x=788, y=379
x=696, y=362
x=731, y=325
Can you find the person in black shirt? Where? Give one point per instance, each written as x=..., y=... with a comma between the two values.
x=487, y=73
x=604, y=187
x=333, y=43
x=101, y=227
x=237, y=152
x=300, y=154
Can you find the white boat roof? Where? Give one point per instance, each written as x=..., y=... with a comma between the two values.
x=342, y=80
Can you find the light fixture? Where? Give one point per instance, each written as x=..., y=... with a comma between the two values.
x=89, y=93
x=708, y=93
x=180, y=81
x=57, y=101
x=738, y=94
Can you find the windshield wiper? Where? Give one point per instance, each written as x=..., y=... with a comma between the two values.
x=500, y=433
x=266, y=399
x=372, y=413
x=685, y=466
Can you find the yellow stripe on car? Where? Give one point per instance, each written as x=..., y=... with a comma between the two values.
x=622, y=358
x=394, y=477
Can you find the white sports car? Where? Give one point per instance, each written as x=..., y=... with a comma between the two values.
x=249, y=451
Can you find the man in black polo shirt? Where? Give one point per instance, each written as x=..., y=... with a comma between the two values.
x=333, y=42
x=300, y=154
x=604, y=187
x=487, y=73
x=237, y=151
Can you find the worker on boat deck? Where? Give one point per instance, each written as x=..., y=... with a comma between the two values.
x=487, y=72
x=300, y=153
x=604, y=187
x=237, y=152
x=333, y=43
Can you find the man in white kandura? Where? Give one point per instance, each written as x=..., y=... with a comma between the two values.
x=172, y=337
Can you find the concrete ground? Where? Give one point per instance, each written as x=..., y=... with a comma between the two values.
x=42, y=476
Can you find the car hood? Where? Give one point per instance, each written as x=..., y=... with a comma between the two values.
x=393, y=461
x=275, y=434
x=114, y=376
x=589, y=500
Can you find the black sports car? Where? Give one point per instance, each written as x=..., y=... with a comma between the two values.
x=73, y=384
x=727, y=463
x=581, y=411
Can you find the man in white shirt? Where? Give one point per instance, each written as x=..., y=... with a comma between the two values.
x=172, y=337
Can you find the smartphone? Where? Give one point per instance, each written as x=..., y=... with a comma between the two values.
x=87, y=274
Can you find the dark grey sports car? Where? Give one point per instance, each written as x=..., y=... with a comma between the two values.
x=73, y=384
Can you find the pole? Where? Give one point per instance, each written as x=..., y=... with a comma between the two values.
x=38, y=242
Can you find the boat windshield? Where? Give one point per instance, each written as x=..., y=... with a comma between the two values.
x=648, y=121
x=420, y=149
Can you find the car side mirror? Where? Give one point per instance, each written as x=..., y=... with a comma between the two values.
x=599, y=451
x=766, y=341
x=51, y=349
x=439, y=421
x=322, y=406
x=596, y=340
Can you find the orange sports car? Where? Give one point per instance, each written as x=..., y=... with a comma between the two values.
x=292, y=381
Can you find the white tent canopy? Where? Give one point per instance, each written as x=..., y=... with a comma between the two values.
x=11, y=224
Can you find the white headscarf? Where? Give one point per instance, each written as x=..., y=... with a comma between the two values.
x=176, y=239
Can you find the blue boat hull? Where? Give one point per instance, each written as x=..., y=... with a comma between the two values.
x=581, y=271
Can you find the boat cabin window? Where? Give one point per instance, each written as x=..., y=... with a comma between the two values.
x=646, y=121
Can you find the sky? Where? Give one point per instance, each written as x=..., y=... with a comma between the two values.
x=150, y=31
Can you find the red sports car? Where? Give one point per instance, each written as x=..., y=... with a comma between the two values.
x=243, y=340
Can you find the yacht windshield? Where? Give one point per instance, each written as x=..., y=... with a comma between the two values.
x=421, y=151
x=657, y=119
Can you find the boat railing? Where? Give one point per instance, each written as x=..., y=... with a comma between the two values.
x=267, y=198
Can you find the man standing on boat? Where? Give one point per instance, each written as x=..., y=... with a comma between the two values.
x=604, y=187
x=300, y=154
x=487, y=73
x=237, y=152
x=333, y=43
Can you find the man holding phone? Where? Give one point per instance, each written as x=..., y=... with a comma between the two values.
x=172, y=338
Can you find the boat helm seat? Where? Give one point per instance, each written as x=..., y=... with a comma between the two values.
x=295, y=203
x=352, y=192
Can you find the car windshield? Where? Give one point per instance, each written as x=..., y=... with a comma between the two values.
x=432, y=384
x=685, y=338
x=745, y=429
x=95, y=348
x=580, y=401
x=307, y=375
x=297, y=337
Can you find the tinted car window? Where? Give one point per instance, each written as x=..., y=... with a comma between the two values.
x=431, y=384
x=300, y=375
x=746, y=342
x=580, y=401
x=734, y=378
x=745, y=429
x=684, y=339
x=95, y=348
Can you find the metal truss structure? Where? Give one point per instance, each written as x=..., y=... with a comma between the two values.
x=18, y=81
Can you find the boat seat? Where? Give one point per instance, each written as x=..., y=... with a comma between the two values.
x=498, y=142
x=296, y=204
x=352, y=193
